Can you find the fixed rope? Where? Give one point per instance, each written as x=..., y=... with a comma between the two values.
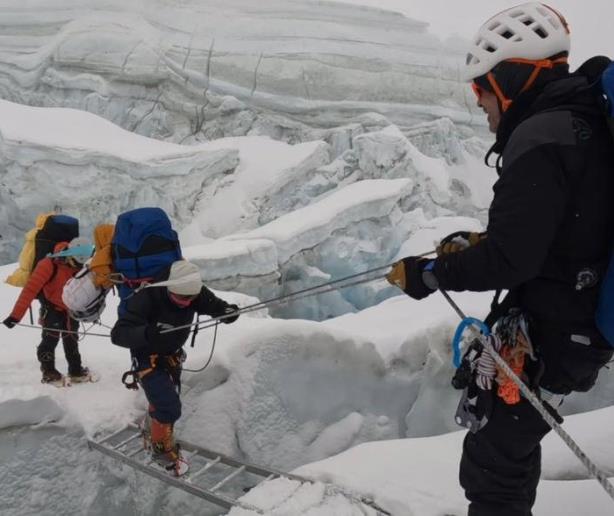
x=56, y=330
x=316, y=290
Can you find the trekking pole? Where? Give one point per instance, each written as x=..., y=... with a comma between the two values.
x=294, y=296
x=543, y=410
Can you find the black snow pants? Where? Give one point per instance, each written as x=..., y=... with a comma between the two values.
x=501, y=463
x=54, y=321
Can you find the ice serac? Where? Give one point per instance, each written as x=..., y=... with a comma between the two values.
x=352, y=229
x=92, y=169
x=310, y=224
x=272, y=179
x=208, y=68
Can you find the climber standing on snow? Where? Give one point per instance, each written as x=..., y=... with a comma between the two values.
x=46, y=284
x=168, y=303
x=548, y=242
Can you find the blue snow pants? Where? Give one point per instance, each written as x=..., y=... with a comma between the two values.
x=160, y=379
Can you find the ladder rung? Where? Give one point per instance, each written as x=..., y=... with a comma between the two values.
x=205, y=468
x=134, y=452
x=188, y=455
x=222, y=482
x=111, y=436
x=126, y=441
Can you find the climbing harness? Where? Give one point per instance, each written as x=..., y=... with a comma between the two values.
x=172, y=364
x=547, y=412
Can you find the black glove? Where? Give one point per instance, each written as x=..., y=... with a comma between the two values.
x=156, y=340
x=409, y=274
x=458, y=241
x=229, y=310
x=10, y=322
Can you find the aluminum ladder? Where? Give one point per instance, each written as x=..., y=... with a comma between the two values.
x=213, y=476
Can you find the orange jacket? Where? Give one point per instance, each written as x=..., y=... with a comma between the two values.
x=43, y=280
x=102, y=261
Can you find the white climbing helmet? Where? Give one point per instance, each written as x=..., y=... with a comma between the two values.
x=531, y=31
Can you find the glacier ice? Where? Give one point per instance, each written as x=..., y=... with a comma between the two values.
x=92, y=169
x=289, y=216
x=177, y=70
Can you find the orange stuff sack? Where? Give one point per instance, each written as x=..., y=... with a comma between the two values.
x=102, y=262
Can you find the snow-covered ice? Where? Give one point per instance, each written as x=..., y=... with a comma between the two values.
x=285, y=394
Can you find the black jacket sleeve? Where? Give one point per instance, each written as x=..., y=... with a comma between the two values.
x=209, y=304
x=526, y=212
x=129, y=330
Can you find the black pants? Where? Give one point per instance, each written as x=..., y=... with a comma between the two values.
x=501, y=464
x=54, y=322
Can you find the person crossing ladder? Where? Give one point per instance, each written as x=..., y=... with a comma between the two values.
x=169, y=302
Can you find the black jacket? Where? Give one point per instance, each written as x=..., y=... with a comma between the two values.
x=552, y=215
x=152, y=306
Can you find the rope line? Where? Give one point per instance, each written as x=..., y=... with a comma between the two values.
x=210, y=354
x=56, y=330
x=305, y=293
x=208, y=323
x=295, y=296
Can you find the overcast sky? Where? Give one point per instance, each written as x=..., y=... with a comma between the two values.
x=591, y=21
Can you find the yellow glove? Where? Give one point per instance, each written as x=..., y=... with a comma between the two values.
x=459, y=241
x=396, y=276
x=409, y=275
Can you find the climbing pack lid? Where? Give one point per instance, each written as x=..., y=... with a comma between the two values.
x=135, y=226
x=144, y=244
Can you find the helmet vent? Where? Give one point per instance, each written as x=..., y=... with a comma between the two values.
x=471, y=59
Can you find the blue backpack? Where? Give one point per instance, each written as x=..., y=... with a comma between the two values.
x=605, y=309
x=144, y=244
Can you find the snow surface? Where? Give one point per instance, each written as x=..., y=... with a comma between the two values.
x=285, y=394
